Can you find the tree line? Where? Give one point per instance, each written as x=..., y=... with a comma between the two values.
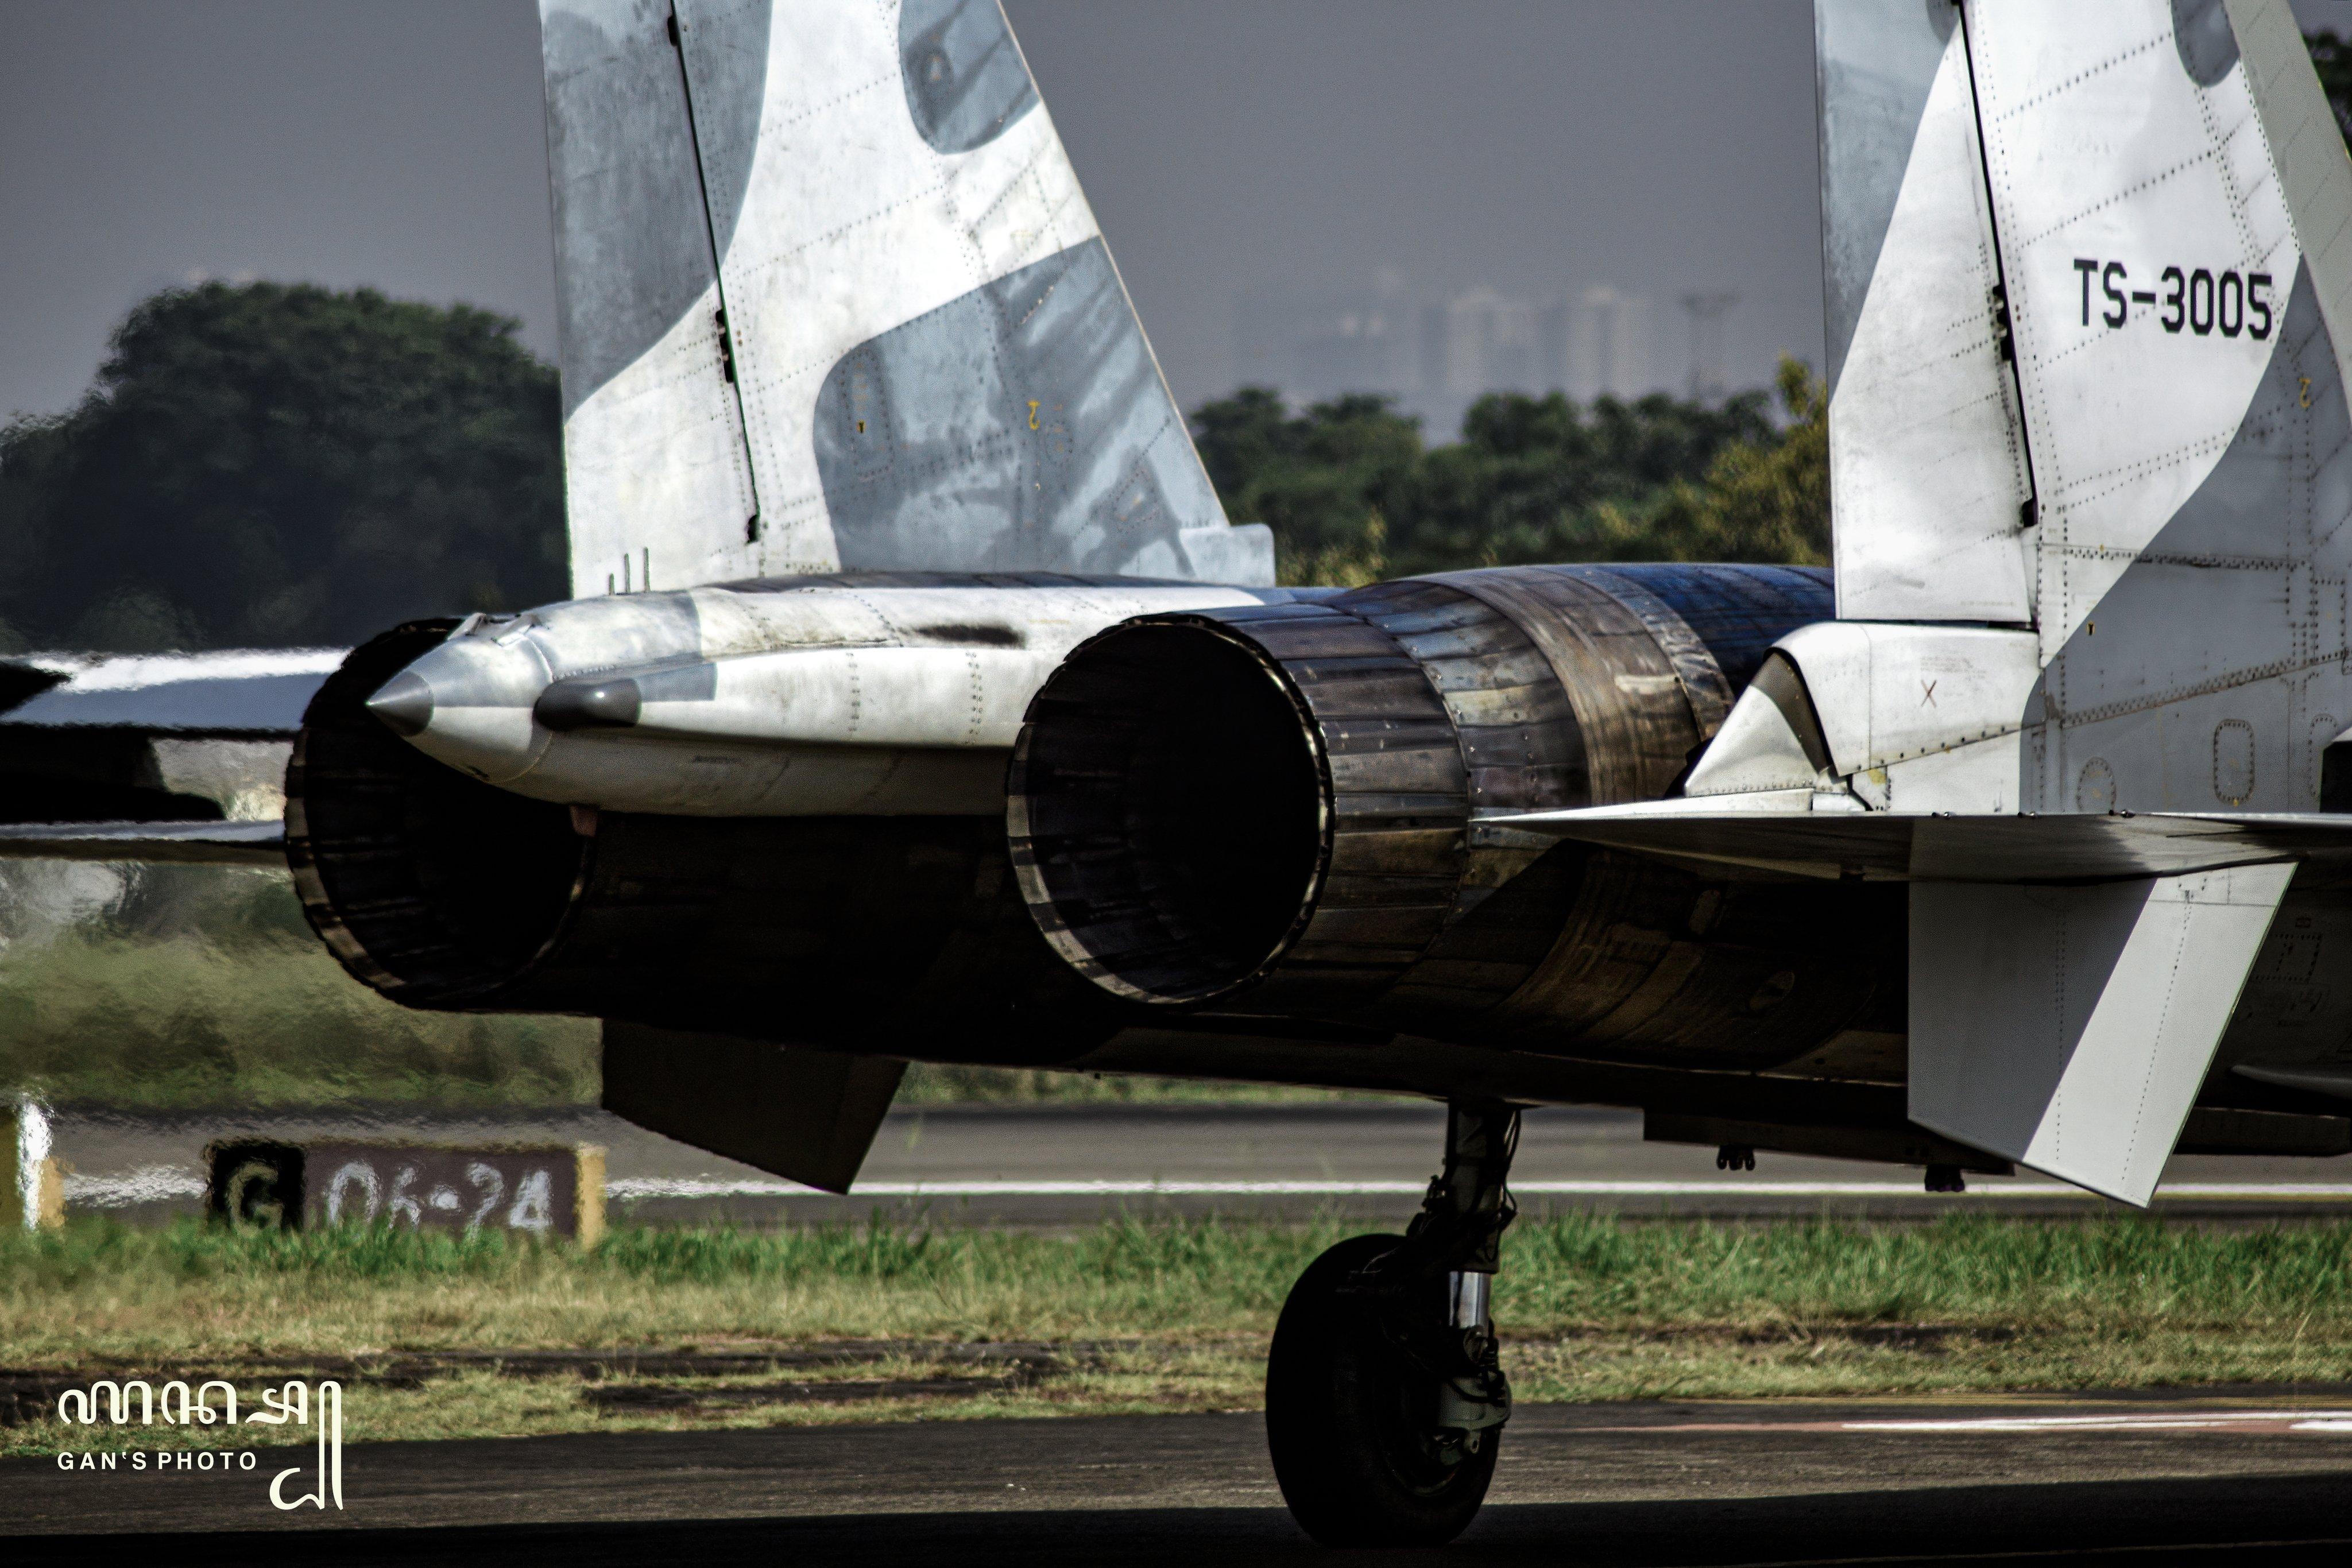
x=1353, y=495
x=284, y=465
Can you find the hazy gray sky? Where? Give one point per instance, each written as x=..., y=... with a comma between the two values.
x=1230, y=147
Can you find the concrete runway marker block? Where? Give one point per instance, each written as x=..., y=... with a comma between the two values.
x=33, y=1196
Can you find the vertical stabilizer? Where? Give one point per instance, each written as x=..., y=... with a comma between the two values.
x=2170, y=209
x=2089, y=268
x=831, y=299
x=2089, y=387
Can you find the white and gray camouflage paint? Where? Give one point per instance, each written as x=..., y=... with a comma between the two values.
x=2161, y=511
x=831, y=299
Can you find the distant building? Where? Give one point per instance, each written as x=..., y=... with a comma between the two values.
x=1435, y=359
x=1492, y=344
x=1355, y=349
x=1610, y=346
x=1706, y=310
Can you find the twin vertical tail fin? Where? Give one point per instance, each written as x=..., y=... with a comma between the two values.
x=831, y=299
x=2089, y=290
x=2089, y=282
x=2089, y=271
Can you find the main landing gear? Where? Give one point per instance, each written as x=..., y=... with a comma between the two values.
x=1384, y=1391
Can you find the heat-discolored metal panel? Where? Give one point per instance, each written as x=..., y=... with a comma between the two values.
x=1396, y=780
x=1519, y=741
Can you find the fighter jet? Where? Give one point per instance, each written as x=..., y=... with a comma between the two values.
x=916, y=701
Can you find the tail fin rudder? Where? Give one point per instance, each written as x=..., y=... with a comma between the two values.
x=832, y=298
x=1927, y=465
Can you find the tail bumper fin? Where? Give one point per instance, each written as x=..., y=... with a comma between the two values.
x=2068, y=1029
x=806, y=1115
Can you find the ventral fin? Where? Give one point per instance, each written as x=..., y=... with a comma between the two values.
x=2068, y=1029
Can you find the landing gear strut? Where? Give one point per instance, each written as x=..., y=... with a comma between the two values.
x=1385, y=1397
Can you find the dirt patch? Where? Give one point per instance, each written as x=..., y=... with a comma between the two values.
x=659, y=1396
x=1925, y=1338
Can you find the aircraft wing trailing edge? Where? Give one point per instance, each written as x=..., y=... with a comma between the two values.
x=177, y=758
x=167, y=843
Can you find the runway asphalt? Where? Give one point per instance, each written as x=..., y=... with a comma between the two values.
x=2265, y=1477
x=1055, y=1165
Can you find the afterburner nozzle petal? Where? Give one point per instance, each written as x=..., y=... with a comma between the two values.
x=404, y=704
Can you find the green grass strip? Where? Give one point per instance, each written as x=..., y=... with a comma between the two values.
x=74, y=1288
x=1173, y=1315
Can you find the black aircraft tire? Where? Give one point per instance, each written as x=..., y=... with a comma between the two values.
x=1341, y=1401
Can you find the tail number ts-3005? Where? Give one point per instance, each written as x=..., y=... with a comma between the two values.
x=2203, y=302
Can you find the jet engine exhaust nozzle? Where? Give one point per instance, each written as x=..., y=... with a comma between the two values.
x=1168, y=813
x=1274, y=809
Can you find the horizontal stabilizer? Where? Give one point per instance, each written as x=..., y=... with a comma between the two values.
x=255, y=693
x=1781, y=833
x=174, y=843
x=2143, y=974
x=2337, y=1085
